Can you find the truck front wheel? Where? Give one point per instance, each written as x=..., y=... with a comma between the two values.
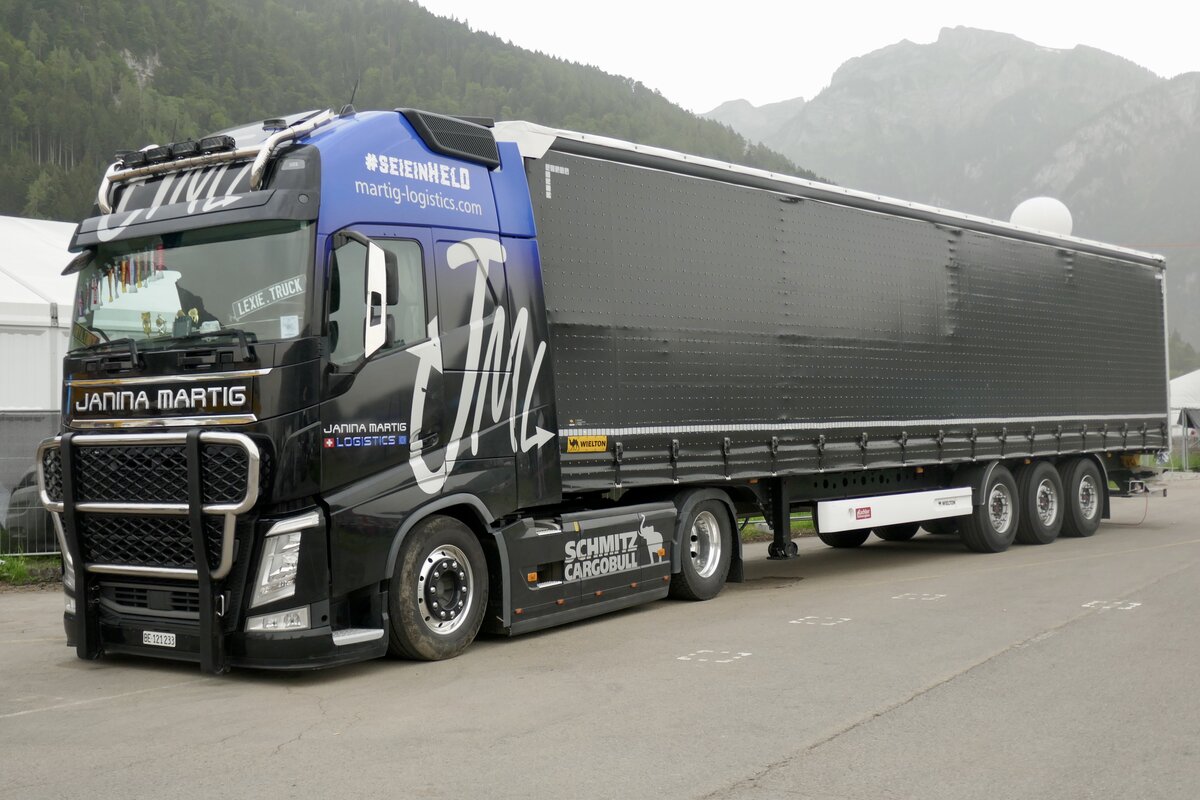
x=438, y=591
x=992, y=525
x=705, y=552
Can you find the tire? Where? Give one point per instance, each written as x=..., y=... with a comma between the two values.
x=705, y=553
x=1040, y=496
x=947, y=526
x=992, y=525
x=1083, y=490
x=845, y=538
x=440, y=562
x=898, y=533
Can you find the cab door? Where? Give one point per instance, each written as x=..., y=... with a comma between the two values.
x=380, y=370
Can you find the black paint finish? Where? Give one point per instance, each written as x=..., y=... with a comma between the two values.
x=695, y=311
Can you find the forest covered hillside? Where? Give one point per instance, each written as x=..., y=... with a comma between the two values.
x=80, y=79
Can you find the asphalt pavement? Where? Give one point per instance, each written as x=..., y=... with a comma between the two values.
x=897, y=670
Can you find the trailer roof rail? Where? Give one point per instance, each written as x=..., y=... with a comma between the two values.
x=534, y=141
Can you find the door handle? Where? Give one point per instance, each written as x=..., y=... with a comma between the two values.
x=428, y=440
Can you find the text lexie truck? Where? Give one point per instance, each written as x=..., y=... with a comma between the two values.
x=349, y=384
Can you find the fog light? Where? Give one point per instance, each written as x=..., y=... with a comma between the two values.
x=69, y=604
x=294, y=619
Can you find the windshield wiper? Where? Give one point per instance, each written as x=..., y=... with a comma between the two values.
x=246, y=352
x=104, y=360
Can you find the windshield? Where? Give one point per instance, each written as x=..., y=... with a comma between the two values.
x=251, y=277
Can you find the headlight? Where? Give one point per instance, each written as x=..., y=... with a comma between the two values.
x=280, y=559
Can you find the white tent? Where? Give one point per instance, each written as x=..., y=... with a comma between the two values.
x=36, y=303
x=35, y=311
x=1185, y=394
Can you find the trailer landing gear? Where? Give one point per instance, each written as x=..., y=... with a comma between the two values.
x=782, y=550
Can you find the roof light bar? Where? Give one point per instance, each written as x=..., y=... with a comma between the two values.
x=185, y=149
x=216, y=144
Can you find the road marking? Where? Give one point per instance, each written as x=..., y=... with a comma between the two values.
x=819, y=621
x=712, y=655
x=918, y=596
x=98, y=699
x=1109, y=605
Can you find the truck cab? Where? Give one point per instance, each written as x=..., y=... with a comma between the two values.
x=291, y=343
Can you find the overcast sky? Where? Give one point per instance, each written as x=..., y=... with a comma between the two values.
x=702, y=54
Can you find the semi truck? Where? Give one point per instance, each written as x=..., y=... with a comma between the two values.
x=347, y=384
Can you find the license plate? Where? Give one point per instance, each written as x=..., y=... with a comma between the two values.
x=158, y=639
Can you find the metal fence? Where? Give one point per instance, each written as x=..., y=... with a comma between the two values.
x=25, y=526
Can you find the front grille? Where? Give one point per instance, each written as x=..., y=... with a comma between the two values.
x=225, y=472
x=157, y=473
x=150, y=599
x=52, y=471
x=144, y=541
x=130, y=497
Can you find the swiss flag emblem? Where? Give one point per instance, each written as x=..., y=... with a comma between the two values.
x=329, y=442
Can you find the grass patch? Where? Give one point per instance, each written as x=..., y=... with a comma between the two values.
x=756, y=530
x=29, y=570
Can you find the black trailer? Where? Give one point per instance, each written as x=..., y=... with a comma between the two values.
x=717, y=324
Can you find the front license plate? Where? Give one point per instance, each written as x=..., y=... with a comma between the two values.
x=158, y=639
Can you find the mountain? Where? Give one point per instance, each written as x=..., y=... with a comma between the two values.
x=84, y=78
x=978, y=121
x=756, y=122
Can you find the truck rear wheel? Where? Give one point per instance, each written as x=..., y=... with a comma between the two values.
x=1084, y=495
x=992, y=525
x=438, y=591
x=1040, y=490
x=898, y=533
x=705, y=553
x=844, y=538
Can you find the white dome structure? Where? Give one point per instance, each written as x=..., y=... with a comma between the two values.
x=1043, y=214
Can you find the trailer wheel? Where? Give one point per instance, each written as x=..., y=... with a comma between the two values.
x=1040, y=490
x=1083, y=491
x=947, y=526
x=438, y=591
x=705, y=553
x=992, y=525
x=898, y=533
x=844, y=538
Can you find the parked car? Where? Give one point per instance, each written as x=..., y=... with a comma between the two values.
x=27, y=525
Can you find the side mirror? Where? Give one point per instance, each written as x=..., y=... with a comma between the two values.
x=382, y=289
x=79, y=262
x=382, y=284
